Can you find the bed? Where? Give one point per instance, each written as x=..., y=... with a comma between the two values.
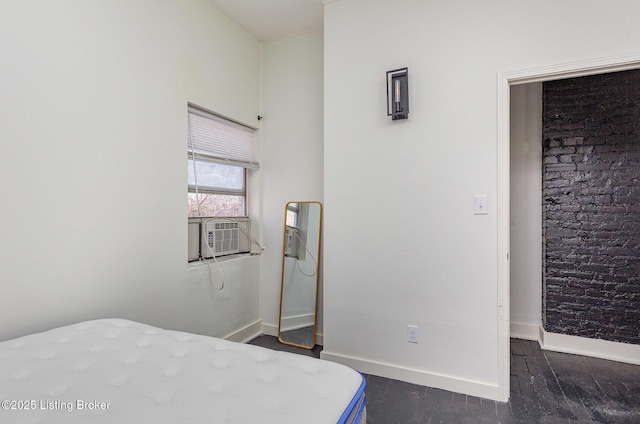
x=119, y=371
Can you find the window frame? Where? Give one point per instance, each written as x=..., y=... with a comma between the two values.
x=248, y=167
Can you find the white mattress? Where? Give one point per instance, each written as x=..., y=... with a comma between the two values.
x=119, y=371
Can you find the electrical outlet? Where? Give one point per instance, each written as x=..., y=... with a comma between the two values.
x=412, y=333
x=480, y=204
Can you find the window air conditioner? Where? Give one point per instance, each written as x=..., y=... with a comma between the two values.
x=222, y=237
x=291, y=241
x=194, y=239
x=225, y=236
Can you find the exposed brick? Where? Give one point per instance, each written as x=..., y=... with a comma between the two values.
x=591, y=206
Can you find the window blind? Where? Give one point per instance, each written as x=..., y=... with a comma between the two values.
x=222, y=140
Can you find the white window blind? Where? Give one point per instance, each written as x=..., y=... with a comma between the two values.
x=222, y=140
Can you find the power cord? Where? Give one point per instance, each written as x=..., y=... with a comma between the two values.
x=310, y=254
x=215, y=259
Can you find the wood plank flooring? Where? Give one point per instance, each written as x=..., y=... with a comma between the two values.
x=546, y=388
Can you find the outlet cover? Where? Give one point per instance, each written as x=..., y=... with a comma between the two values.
x=480, y=204
x=412, y=333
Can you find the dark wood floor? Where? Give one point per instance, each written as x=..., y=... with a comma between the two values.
x=546, y=388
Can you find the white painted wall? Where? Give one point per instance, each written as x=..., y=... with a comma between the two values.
x=526, y=210
x=93, y=124
x=292, y=149
x=402, y=245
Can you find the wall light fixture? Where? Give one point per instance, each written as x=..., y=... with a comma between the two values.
x=398, y=93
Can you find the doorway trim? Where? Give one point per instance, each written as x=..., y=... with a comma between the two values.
x=504, y=81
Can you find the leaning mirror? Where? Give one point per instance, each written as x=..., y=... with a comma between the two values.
x=300, y=266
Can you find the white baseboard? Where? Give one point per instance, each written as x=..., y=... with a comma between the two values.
x=296, y=322
x=595, y=348
x=423, y=378
x=604, y=349
x=247, y=333
x=272, y=330
x=525, y=331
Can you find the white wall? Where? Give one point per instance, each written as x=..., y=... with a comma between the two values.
x=526, y=210
x=402, y=245
x=93, y=124
x=292, y=149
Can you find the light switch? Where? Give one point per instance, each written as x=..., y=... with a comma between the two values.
x=480, y=204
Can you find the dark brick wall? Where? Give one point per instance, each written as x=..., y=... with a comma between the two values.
x=591, y=206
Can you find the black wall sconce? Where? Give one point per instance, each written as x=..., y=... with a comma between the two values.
x=398, y=93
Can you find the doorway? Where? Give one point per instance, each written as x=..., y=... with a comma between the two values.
x=506, y=81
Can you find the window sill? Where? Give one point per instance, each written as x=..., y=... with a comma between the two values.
x=228, y=258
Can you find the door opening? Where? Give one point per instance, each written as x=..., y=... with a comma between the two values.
x=506, y=81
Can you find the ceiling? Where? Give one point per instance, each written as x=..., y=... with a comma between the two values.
x=268, y=19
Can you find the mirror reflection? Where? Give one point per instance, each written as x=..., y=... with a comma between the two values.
x=300, y=266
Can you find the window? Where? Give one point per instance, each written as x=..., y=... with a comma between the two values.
x=218, y=190
x=292, y=215
x=292, y=232
x=220, y=155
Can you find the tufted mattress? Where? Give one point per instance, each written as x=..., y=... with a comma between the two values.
x=118, y=371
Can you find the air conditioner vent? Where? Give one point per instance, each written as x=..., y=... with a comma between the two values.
x=223, y=237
